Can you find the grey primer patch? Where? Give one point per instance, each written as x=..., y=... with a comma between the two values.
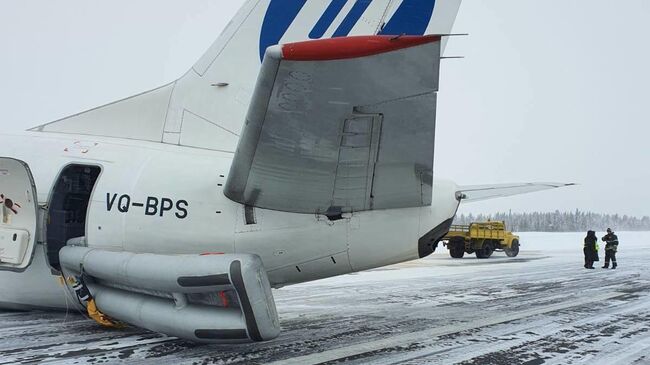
x=221, y=334
x=428, y=243
x=240, y=288
x=209, y=280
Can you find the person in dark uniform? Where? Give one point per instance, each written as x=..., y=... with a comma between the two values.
x=611, y=247
x=590, y=249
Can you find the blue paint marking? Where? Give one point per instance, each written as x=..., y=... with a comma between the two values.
x=278, y=18
x=411, y=18
x=352, y=18
x=327, y=19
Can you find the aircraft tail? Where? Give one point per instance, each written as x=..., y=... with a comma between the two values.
x=206, y=108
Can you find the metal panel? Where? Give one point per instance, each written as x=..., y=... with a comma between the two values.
x=339, y=135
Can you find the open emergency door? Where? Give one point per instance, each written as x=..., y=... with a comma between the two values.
x=18, y=215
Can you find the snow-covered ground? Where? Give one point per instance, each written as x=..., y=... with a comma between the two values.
x=542, y=307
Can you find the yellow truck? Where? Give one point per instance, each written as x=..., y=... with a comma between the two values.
x=482, y=238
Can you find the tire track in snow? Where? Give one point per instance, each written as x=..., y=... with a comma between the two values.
x=415, y=337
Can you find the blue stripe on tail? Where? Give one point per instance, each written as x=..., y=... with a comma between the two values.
x=278, y=18
x=352, y=18
x=411, y=18
x=327, y=19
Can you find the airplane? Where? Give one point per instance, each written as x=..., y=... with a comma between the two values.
x=299, y=147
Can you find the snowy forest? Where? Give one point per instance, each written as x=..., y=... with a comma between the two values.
x=561, y=221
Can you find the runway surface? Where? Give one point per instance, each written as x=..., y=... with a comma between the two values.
x=542, y=307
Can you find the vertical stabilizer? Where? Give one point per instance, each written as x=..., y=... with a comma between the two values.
x=206, y=108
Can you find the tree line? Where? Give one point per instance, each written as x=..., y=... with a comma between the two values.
x=560, y=221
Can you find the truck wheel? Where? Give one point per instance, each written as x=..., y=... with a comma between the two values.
x=457, y=248
x=513, y=251
x=485, y=251
x=456, y=252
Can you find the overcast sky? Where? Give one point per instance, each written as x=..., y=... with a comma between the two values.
x=548, y=91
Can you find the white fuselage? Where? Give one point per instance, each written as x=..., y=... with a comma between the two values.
x=158, y=198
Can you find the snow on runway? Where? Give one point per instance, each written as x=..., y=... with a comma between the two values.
x=539, y=308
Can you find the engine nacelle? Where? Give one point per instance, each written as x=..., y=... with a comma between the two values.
x=178, y=295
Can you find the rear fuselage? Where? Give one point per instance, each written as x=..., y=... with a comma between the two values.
x=154, y=198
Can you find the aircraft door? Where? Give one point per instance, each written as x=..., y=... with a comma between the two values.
x=68, y=209
x=18, y=215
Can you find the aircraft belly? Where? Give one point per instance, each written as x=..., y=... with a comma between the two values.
x=167, y=202
x=295, y=247
x=384, y=237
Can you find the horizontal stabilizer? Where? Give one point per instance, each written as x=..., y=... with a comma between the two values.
x=340, y=125
x=474, y=193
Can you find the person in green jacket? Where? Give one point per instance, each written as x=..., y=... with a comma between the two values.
x=611, y=247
